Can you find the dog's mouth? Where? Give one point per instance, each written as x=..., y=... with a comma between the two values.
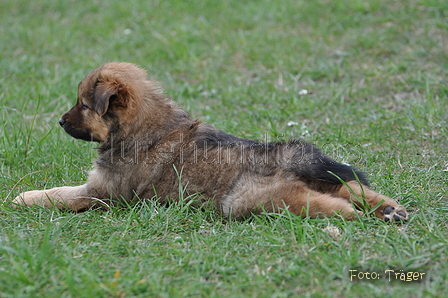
x=76, y=132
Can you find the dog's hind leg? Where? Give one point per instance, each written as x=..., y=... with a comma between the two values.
x=275, y=195
x=388, y=209
x=314, y=204
x=75, y=198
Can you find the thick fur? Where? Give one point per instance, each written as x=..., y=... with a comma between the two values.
x=148, y=145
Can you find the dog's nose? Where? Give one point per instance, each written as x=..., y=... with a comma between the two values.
x=62, y=121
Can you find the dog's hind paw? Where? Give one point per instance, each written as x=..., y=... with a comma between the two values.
x=393, y=214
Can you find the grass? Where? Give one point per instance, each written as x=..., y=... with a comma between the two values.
x=376, y=75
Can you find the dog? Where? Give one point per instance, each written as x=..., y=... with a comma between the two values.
x=149, y=148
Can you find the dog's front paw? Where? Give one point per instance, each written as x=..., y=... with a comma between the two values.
x=29, y=198
x=392, y=214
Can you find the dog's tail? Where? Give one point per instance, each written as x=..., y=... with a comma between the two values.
x=308, y=162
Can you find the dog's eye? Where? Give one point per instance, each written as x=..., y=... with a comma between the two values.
x=84, y=107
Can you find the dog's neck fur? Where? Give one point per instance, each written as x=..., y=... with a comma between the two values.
x=174, y=118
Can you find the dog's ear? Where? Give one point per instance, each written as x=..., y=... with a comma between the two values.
x=104, y=94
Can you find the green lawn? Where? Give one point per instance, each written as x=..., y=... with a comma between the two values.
x=376, y=73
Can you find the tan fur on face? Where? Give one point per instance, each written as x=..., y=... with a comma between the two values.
x=147, y=144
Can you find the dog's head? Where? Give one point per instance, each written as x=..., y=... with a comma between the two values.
x=108, y=98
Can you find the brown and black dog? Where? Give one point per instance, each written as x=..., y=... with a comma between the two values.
x=148, y=145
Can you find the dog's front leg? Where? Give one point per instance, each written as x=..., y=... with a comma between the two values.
x=75, y=198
